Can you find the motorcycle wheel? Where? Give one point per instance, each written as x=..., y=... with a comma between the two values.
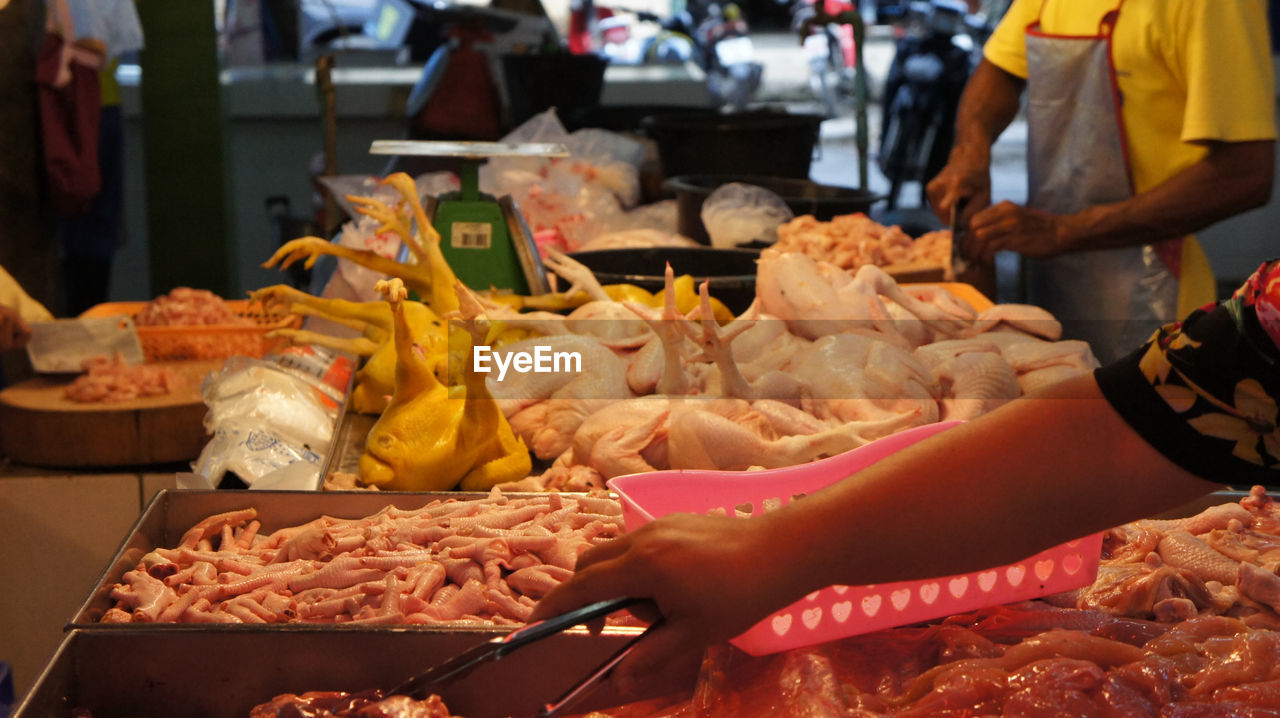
x=831, y=82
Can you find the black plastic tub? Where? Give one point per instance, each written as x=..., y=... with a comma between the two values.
x=803, y=196
x=536, y=82
x=751, y=143
x=731, y=272
x=625, y=118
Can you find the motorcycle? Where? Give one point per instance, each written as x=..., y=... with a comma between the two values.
x=829, y=50
x=939, y=46
x=728, y=57
x=719, y=45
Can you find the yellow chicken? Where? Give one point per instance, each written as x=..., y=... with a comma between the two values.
x=431, y=438
x=686, y=299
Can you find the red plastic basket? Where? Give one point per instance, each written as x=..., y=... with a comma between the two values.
x=206, y=341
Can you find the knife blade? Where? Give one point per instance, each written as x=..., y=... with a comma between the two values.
x=63, y=345
x=959, y=264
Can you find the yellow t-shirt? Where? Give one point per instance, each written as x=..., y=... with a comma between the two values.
x=1187, y=70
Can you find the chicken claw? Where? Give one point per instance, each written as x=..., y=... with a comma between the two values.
x=309, y=248
x=581, y=279
x=390, y=219
x=392, y=290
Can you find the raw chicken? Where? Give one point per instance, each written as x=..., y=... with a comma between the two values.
x=112, y=380
x=185, y=306
x=854, y=240
x=450, y=562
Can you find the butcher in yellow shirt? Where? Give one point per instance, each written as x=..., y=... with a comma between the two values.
x=1147, y=120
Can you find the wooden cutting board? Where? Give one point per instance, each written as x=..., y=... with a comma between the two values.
x=39, y=426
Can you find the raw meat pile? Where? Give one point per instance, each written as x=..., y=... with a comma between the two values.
x=455, y=562
x=1222, y=561
x=338, y=704
x=111, y=380
x=853, y=240
x=185, y=306
x=824, y=361
x=1165, y=631
x=1099, y=665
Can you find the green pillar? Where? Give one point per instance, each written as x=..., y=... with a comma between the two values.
x=182, y=119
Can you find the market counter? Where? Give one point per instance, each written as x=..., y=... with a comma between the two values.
x=59, y=530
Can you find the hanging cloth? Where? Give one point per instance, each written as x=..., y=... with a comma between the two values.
x=70, y=103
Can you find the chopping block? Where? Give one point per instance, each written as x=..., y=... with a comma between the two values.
x=40, y=426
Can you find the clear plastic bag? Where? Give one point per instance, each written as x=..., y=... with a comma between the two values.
x=255, y=455
x=738, y=213
x=577, y=197
x=259, y=395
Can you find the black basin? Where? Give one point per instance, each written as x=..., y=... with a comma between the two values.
x=802, y=196
x=756, y=142
x=731, y=272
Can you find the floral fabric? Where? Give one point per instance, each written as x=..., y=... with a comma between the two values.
x=1205, y=391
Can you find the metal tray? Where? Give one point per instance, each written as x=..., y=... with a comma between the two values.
x=348, y=443
x=172, y=512
x=212, y=674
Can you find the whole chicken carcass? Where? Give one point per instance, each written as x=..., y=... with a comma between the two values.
x=818, y=298
x=431, y=438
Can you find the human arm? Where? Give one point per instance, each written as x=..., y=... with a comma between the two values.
x=1034, y=473
x=1233, y=177
x=989, y=103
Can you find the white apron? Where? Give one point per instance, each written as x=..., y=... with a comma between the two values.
x=1077, y=158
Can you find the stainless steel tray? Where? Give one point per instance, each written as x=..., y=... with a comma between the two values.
x=212, y=674
x=348, y=443
x=172, y=512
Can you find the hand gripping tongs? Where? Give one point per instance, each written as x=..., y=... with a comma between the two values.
x=442, y=674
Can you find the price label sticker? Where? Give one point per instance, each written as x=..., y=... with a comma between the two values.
x=471, y=235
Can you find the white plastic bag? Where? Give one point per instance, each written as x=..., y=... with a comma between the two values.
x=257, y=394
x=738, y=213
x=253, y=453
x=579, y=196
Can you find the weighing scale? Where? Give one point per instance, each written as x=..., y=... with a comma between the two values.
x=485, y=240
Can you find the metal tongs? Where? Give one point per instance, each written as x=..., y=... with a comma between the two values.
x=442, y=674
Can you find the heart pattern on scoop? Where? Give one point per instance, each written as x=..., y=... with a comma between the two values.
x=871, y=605
x=987, y=581
x=782, y=624
x=841, y=611
x=929, y=592
x=811, y=617
x=1072, y=564
x=1015, y=574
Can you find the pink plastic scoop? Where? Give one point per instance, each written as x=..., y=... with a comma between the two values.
x=841, y=611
